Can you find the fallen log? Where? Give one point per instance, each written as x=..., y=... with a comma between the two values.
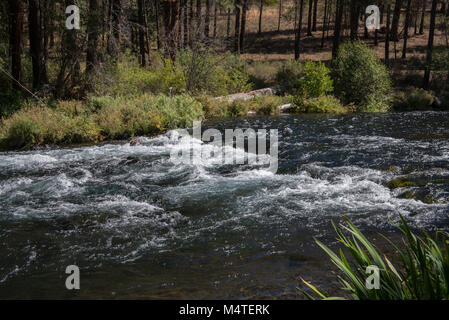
x=246, y=96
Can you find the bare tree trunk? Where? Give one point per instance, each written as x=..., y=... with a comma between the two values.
x=141, y=33
x=415, y=20
x=298, y=30
x=387, y=37
x=207, y=20
x=116, y=13
x=37, y=57
x=237, y=27
x=280, y=15
x=92, y=38
x=406, y=27
x=260, y=16
x=243, y=25
x=15, y=40
x=158, y=28
x=382, y=11
x=171, y=16
x=395, y=22
x=427, y=72
x=180, y=19
x=315, y=11
x=324, y=23
x=228, y=24
x=198, y=18
x=353, y=19
x=309, y=19
x=190, y=22
x=215, y=18
x=423, y=14
x=337, y=29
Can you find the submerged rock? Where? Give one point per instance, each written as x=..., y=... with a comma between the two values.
x=135, y=141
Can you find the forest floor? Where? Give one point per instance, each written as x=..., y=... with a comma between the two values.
x=272, y=46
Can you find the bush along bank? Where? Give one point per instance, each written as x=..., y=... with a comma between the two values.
x=127, y=100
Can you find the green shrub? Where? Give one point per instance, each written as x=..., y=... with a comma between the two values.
x=268, y=105
x=322, y=104
x=359, y=76
x=289, y=76
x=316, y=81
x=209, y=73
x=99, y=118
x=198, y=72
x=42, y=125
x=412, y=99
x=124, y=117
x=263, y=74
x=444, y=99
x=422, y=273
x=440, y=67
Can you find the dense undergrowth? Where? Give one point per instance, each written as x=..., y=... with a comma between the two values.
x=125, y=100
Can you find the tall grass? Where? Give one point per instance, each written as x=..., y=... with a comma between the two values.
x=97, y=119
x=422, y=273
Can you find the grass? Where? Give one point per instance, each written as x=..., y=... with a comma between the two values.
x=421, y=274
x=97, y=119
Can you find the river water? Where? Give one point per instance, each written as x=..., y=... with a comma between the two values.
x=139, y=226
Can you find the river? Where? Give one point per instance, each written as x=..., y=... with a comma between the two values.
x=141, y=227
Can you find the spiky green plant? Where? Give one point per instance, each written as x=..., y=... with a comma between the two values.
x=422, y=274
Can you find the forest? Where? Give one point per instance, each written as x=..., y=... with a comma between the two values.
x=126, y=52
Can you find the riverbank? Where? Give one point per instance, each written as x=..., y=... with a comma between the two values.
x=99, y=119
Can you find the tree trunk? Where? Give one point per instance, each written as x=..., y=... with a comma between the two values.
x=71, y=58
x=237, y=27
x=353, y=19
x=423, y=15
x=116, y=16
x=228, y=24
x=215, y=18
x=387, y=37
x=179, y=42
x=426, y=81
x=207, y=20
x=37, y=56
x=337, y=29
x=15, y=40
x=198, y=17
x=191, y=22
x=395, y=22
x=171, y=15
x=92, y=34
x=243, y=25
x=186, y=23
x=315, y=11
x=309, y=19
x=141, y=33
x=298, y=30
x=280, y=15
x=382, y=10
x=406, y=27
x=324, y=23
x=158, y=29
x=260, y=16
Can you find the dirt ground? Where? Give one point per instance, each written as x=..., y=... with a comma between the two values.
x=272, y=45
